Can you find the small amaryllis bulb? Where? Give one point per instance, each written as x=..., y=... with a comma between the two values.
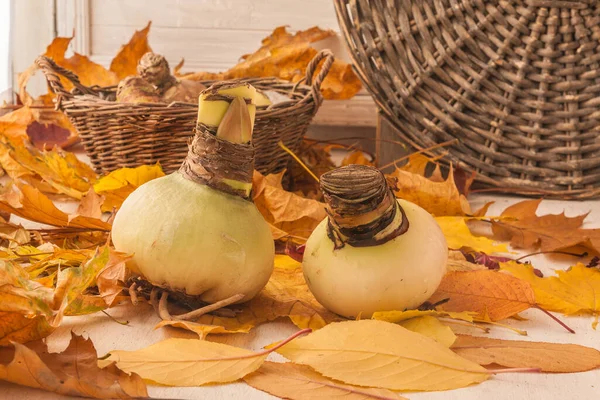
x=373, y=252
x=197, y=231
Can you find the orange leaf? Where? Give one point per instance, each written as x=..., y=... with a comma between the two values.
x=495, y=294
x=16, y=327
x=524, y=229
x=74, y=372
x=356, y=157
x=125, y=62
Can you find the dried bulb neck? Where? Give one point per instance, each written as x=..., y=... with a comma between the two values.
x=154, y=68
x=218, y=163
x=362, y=209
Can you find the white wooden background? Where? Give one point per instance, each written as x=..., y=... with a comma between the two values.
x=210, y=34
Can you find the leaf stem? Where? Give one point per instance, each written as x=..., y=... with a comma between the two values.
x=555, y=319
x=510, y=370
x=295, y=157
x=584, y=254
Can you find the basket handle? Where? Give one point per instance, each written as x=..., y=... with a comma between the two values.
x=315, y=85
x=53, y=71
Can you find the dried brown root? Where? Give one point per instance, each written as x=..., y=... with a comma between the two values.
x=134, y=299
x=163, y=308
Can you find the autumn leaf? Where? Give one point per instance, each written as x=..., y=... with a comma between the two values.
x=16, y=327
x=548, y=357
x=286, y=56
x=112, y=276
x=439, y=198
x=432, y=328
x=297, y=382
x=31, y=204
x=573, y=291
x=286, y=212
x=90, y=205
x=74, y=372
x=457, y=262
x=191, y=362
x=495, y=294
x=119, y=184
x=520, y=225
x=380, y=354
x=201, y=330
x=400, y=316
x=357, y=157
x=285, y=295
x=125, y=62
x=458, y=235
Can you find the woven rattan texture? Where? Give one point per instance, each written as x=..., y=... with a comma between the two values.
x=517, y=83
x=117, y=135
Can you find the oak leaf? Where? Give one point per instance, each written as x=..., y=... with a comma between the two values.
x=439, y=198
x=73, y=372
x=285, y=295
x=495, y=294
x=525, y=229
x=380, y=354
x=119, y=184
x=576, y=290
x=458, y=235
x=126, y=61
x=298, y=382
x=287, y=213
x=548, y=357
x=286, y=56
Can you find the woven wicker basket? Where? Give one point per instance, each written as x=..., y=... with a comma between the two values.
x=117, y=135
x=517, y=83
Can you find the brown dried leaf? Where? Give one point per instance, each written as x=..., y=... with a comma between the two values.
x=286, y=56
x=524, y=229
x=74, y=372
x=286, y=212
x=298, y=382
x=548, y=357
x=111, y=278
x=125, y=62
x=90, y=205
x=495, y=294
x=439, y=198
x=357, y=157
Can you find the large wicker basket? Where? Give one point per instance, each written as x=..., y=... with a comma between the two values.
x=517, y=83
x=117, y=135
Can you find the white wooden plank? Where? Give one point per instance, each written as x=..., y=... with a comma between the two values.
x=73, y=18
x=238, y=14
x=359, y=111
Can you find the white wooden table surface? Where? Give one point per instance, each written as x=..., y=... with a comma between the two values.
x=108, y=335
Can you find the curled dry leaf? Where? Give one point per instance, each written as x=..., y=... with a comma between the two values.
x=201, y=330
x=458, y=235
x=298, y=382
x=495, y=294
x=548, y=357
x=287, y=213
x=119, y=184
x=191, y=362
x=573, y=291
x=457, y=262
x=73, y=372
x=286, y=295
x=439, y=198
x=380, y=354
x=524, y=229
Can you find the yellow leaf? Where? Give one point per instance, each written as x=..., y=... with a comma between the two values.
x=432, y=328
x=356, y=157
x=380, y=354
x=125, y=62
x=457, y=262
x=548, y=357
x=286, y=212
x=200, y=329
x=286, y=295
x=496, y=294
x=16, y=327
x=573, y=291
x=31, y=204
x=74, y=372
x=439, y=198
x=189, y=362
x=119, y=184
x=458, y=235
x=399, y=316
x=297, y=382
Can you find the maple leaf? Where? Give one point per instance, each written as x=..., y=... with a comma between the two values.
x=548, y=357
x=573, y=291
x=287, y=213
x=297, y=382
x=126, y=61
x=286, y=56
x=380, y=354
x=439, y=198
x=520, y=225
x=458, y=235
x=74, y=372
x=489, y=293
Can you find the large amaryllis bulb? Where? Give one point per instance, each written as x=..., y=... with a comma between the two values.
x=197, y=230
x=373, y=252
